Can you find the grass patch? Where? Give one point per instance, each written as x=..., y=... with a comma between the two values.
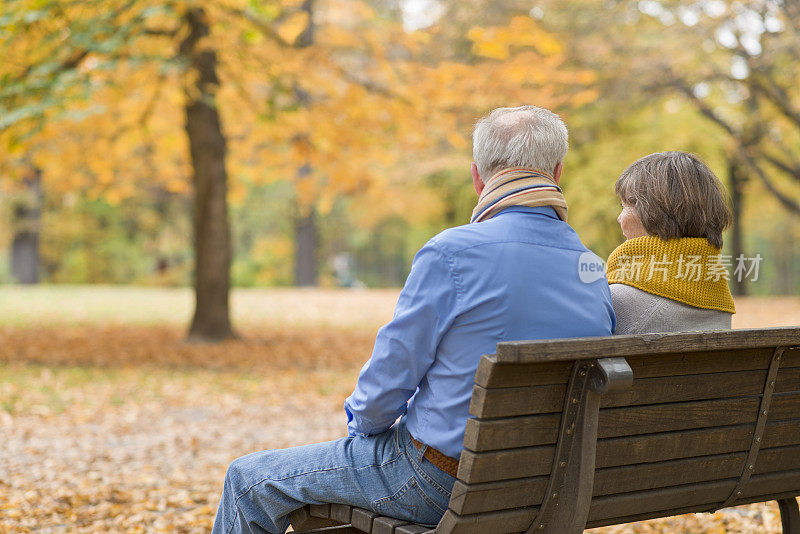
x=41, y=305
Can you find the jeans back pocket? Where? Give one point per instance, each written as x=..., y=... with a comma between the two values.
x=410, y=503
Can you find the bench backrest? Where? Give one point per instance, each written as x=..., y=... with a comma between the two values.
x=710, y=419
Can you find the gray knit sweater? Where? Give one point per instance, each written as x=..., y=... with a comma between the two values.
x=639, y=312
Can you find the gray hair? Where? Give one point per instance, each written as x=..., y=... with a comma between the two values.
x=527, y=136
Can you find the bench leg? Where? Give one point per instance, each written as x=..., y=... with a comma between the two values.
x=790, y=515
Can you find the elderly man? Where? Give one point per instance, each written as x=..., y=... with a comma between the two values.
x=512, y=273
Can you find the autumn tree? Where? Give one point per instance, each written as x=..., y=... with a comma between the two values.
x=736, y=62
x=74, y=42
x=74, y=61
x=335, y=97
x=730, y=63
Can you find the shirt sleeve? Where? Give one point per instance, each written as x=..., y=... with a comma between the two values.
x=405, y=348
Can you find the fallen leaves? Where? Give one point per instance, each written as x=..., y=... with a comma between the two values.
x=126, y=428
x=145, y=449
x=126, y=345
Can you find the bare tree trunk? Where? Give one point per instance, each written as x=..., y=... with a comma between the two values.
x=27, y=224
x=736, y=181
x=211, y=320
x=306, y=234
x=783, y=252
x=306, y=239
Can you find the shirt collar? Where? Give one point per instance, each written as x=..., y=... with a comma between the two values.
x=547, y=211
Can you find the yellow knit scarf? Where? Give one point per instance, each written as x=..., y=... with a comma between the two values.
x=519, y=187
x=689, y=270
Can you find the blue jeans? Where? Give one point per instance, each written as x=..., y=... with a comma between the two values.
x=385, y=473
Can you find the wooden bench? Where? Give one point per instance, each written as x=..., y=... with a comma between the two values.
x=581, y=433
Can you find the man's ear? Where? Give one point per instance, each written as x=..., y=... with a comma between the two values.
x=557, y=171
x=476, y=179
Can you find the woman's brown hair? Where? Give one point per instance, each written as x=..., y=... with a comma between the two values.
x=676, y=195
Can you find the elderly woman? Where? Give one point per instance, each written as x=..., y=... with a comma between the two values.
x=669, y=274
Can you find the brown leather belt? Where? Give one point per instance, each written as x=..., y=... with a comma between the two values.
x=445, y=463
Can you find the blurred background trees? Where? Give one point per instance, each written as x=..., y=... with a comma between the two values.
x=280, y=142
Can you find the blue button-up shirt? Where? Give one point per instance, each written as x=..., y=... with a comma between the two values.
x=512, y=277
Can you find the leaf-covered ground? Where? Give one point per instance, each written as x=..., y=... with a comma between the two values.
x=110, y=423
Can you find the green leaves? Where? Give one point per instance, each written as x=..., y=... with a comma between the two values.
x=267, y=10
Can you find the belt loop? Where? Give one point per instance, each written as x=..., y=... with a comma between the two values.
x=421, y=452
x=418, y=446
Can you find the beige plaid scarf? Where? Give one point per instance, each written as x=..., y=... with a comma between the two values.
x=519, y=187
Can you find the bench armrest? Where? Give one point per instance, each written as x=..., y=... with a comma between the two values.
x=610, y=374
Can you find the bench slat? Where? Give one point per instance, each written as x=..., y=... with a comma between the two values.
x=413, y=529
x=623, y=479
x=645, y=344
x=333, y=529
x=706, y=494
x=505, y=402
x=386, y=525
x=503, y=522
x=542, y=430
x=683, y=510
x=362, y=519
x=626, y=421
x=301, y=519
x=780, y=482
x=629, y=506
x=535, y=461
x=320, y=510
x=625, y=505
x=491, y=374
x=505, y=464
x=701, y=387
x=494, y=374
x=486, y=434
x=519, y=519
x=476, y=498
x=341, y=512
x=696, y=414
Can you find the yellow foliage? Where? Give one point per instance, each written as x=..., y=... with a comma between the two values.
x=522, y=31
x=456, y=140
x=380, y=103
x=584, y=97
x=292, y=4
x=291, y=28
x=305, y=192
x=338, y=37
x=237, y=192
